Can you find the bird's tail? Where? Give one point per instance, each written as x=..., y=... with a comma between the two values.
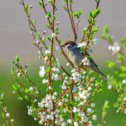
x=99, y=72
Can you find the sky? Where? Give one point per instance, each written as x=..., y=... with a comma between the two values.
x=15, y=38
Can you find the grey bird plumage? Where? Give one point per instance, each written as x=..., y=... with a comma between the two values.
x=76, y=57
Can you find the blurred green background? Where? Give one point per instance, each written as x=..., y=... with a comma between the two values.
x=16, y=39
x=18, y=109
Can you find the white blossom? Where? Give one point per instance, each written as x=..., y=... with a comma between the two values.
x=83, y=44
x=124, y=99
x=96, y=41
x=44, y=32
x=60, y=103
x=89, y=110
x=47, y=52
x=45, y=59
x=57, y=48
x=67, y=64
x=19, y=74
x=58, y=22
x=124, y=81
x=90, y=123
x=45, y=81
x=64, y=87
x=69, y=121
x=53, y=35
x=109, y=86
x=74, y=109
x=12, y=120
x=31, y=6
x=125, y=111
x=84, y=94
x=55, y=93
x=37, y=41
x=94, y=117
x=30, y=111
x=115, y=48
x=64, y=124
x=46, y=102
x=42, y=71
x=76, y=76
x=84, y=118
x=56, y=70
x=55, y=77
x=86, y=62
x=8, y=115
x=93, y=105
x=76, y=124
x=31, y=89
x=89, y=88
x=58, y=62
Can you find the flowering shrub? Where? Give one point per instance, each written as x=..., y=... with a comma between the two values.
x=6, y=117
x=117, y=81
x=70, y=94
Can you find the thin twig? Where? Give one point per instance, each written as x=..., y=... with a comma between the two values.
x=70, y=11
x=72, y=99
x=90, y=29
x=33, y=29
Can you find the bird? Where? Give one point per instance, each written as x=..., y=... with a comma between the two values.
x=76, y=56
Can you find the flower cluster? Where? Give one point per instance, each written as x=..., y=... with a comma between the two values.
x=46, y=111
x=5, y=115
x=86, y=62
x=76, y=76
x=115, y=48
x=117, y=80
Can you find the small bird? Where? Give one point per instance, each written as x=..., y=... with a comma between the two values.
x=76, y=56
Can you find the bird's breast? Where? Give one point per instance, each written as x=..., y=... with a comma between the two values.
x=75, y=57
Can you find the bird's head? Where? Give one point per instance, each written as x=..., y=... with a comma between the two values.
x=69, y=44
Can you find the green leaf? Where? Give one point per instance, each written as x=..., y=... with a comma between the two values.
x=48, y=14
x=48, y=69
x=123, y=41
x=50, y=2
x=34, y=22
x=17, y=59
x=40, y=2
x=57, y=30
x=66, y=1
x=37, y=35
x=1, y=96
x=77, y=14
x=123, y=68
x=122, y=75
x=111, y=64
x=49, y=38
x=120, y=57
x=105, y=108
x=95, y=13
x=109, y=39
x=95, y=29
x=105, y=29
x=26, y=8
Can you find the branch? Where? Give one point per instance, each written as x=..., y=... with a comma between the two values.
x=90, y=27
x=57, y=39
x=70, y=12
